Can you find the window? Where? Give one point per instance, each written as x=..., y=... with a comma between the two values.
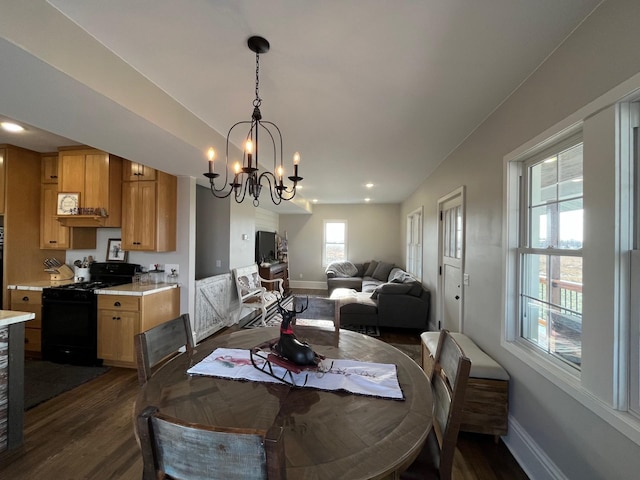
x=550, y=252
x=414, y=243
x=334, y=247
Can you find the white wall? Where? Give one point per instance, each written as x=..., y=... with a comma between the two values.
x=552, y=434
x=373, y=233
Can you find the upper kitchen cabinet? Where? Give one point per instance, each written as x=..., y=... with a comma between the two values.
x=150, y=209
x=132, y=172
x=97, y=177
x=49, y=168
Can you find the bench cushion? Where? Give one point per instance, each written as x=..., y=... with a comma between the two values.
x=482, y=365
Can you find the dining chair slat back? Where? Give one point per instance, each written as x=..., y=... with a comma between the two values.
x=175, y=449
x=160, y=342
x=448, y=382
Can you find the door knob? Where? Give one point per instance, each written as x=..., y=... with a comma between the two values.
x=457, y=297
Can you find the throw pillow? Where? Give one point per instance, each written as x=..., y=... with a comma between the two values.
x=371, y=268
x=382, y=271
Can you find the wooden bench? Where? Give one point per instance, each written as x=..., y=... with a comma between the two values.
x=486, y=405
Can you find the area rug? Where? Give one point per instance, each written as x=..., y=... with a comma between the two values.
x=45, y=380
x=317, y=308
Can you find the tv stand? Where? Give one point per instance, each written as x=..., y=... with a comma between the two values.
x=273, y=271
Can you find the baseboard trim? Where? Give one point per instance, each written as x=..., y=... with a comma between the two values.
x=308, y=285
x=529, y=455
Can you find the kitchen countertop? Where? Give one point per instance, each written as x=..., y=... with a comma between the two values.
x=39, y=285
x=136, y=290
x=128, y=289
x=8, y=317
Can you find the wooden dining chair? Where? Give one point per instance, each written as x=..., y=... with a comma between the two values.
x=178, y=450
x=448, y=383
x=160, y=342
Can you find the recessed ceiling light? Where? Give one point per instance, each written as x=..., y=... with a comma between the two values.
x=11, y=127
x=367, y=199
x=368, y=185
x=315, y=200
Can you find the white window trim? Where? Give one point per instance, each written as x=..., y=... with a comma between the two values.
x=324, y=239
x=623, y=421
x=417, y=214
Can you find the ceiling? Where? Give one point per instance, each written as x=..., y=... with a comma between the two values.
x=367, y=90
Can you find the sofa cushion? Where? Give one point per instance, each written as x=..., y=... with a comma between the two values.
x=369, y=284
x=392, y=289
x=370, y=269
x=382, y=271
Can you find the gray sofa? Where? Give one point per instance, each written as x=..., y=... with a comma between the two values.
x=378, y=294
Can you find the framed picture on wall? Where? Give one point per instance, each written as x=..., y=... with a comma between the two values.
x=115, y=252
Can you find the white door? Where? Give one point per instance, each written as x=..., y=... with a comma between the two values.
x=451, y=258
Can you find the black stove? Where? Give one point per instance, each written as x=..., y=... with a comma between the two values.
x=69, y=314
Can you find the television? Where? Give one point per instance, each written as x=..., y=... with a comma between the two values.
x=266, y=250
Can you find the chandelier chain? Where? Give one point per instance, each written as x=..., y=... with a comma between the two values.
x=258, y=100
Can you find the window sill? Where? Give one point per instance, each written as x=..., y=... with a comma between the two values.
x=625, y=422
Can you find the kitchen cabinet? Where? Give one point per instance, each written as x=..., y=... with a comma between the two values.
x=49, y=168
x=97, y=177
x=121, y=317
x=54, y=235
x=30, y=301
x=149, y=216
x=132, y=172
x=23, y=257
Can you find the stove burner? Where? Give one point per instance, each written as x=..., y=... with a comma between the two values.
x=87, y=286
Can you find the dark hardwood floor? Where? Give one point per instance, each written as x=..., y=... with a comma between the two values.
x=87, y=433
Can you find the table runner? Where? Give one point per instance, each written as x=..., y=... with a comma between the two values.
x=363, y=378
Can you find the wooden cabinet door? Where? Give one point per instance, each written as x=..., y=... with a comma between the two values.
x=49, y=168
x=52, y=234
x=96, y=181
x=3, y=155
x=139, y=216
x=133, y=172
x=71, y=173
x=30, y=301
x=116, y=329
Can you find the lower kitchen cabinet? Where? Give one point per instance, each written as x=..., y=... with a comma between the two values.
x=30, y=301
x=121, y=317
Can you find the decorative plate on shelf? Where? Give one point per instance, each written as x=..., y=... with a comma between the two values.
x=68, y=203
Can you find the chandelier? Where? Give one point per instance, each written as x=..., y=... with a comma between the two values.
x=246, y=175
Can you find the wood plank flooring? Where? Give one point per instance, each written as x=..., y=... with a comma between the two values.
x=87, y=433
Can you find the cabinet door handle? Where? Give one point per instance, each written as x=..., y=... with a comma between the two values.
x=53, y=176
x=25, y=299
x=115, y=318
x=117, y=304
x=53, y=241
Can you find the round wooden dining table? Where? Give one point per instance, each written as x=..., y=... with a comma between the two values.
x=327, y=435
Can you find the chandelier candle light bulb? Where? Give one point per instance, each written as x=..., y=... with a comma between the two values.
x=247, y=176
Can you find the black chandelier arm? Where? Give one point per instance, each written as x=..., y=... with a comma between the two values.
x=280, y=190
x=273, y=142
x=215, y=191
